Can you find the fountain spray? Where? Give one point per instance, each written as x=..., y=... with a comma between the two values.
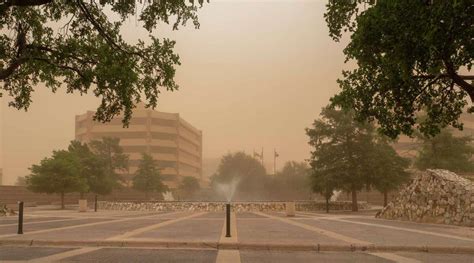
x=228, y=190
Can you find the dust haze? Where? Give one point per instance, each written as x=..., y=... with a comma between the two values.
x=255, y=74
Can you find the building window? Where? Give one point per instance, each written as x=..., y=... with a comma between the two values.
x=162, y=122
x=161, y=149
x=163, y=136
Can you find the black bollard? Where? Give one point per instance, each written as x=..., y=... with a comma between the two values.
x=227, y=208
x=20, y=217
x=95, y=204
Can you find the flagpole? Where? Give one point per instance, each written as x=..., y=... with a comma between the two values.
x=274, y=161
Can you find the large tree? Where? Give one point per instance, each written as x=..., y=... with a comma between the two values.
x=323, y=182
x=248, y=171
x=446, y=151
x=78, y=44
x=387, y=169
x=93, y=169
x=411, y=56
x=147, y=178
x=292, y=181
x=59, y=174
x=110, y=154
x=341, y=146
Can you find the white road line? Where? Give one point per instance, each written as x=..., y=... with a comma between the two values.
x=80, y=251
x=152, y=227
x=228, y=256
x=83, y=225
x=318, y=230
x=61, y=256
x=46, y=221
x=322, y=216
x=225, y=255
x=403, y=229
x=395, y=258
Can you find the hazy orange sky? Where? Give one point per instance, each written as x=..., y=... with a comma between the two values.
x=256, y=74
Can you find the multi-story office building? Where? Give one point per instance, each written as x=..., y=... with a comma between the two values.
x=175, y=144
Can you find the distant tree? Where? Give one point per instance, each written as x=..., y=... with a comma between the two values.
x=20, y=181
x=340, y=150
x=78, y=45
x=387, y=169
x=59, y=174
x=293, y=181
x=323, y=182
x=189, y=186
x=147, y=178
x=446, y=151
x=410, y=57
x=93, y=169
x=248, y=170
x=110, y=154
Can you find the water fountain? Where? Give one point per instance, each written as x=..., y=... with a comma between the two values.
x=228, y=190
x=335, y=195
x=168, y=196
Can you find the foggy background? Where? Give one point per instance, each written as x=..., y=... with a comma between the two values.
x=255, y=74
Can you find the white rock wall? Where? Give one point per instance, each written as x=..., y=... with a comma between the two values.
x=434, y=196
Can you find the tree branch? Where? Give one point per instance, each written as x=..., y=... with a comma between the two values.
x=464, y=77
x=459, y=80
x=59, y=54
x=5, y=4
x=101, y=30
x=77, y=71
x=5, y=73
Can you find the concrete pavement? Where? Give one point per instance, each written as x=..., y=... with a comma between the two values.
x=115, y=236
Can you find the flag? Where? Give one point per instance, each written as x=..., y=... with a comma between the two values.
x=256, y=155
x=276, y=154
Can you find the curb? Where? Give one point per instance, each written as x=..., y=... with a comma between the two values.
x=237, y=246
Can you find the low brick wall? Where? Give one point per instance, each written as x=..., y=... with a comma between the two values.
x=220, y=206
x=10, y=195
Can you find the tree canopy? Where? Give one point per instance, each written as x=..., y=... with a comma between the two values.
x=388, y=169
x=189, y=186
x=446, y=151
x=109, y=152
x=93, y=169
x=291, y=182
x=59, y=174
x=340, y=145
x=147, y=177
x=410, y=58
x=349, y=155
x=249, y=171
x=78, y=44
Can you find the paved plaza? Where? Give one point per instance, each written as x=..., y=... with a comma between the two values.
x=118, y=236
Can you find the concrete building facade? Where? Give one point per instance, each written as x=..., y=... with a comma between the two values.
x=175, y=144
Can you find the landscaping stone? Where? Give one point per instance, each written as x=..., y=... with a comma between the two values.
x=434, y=196
x=220, y=206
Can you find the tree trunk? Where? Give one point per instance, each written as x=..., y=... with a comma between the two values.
x=81, y=196
x=327, y=205
x=385, y=198
x=354, y=201
x=62, y=201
